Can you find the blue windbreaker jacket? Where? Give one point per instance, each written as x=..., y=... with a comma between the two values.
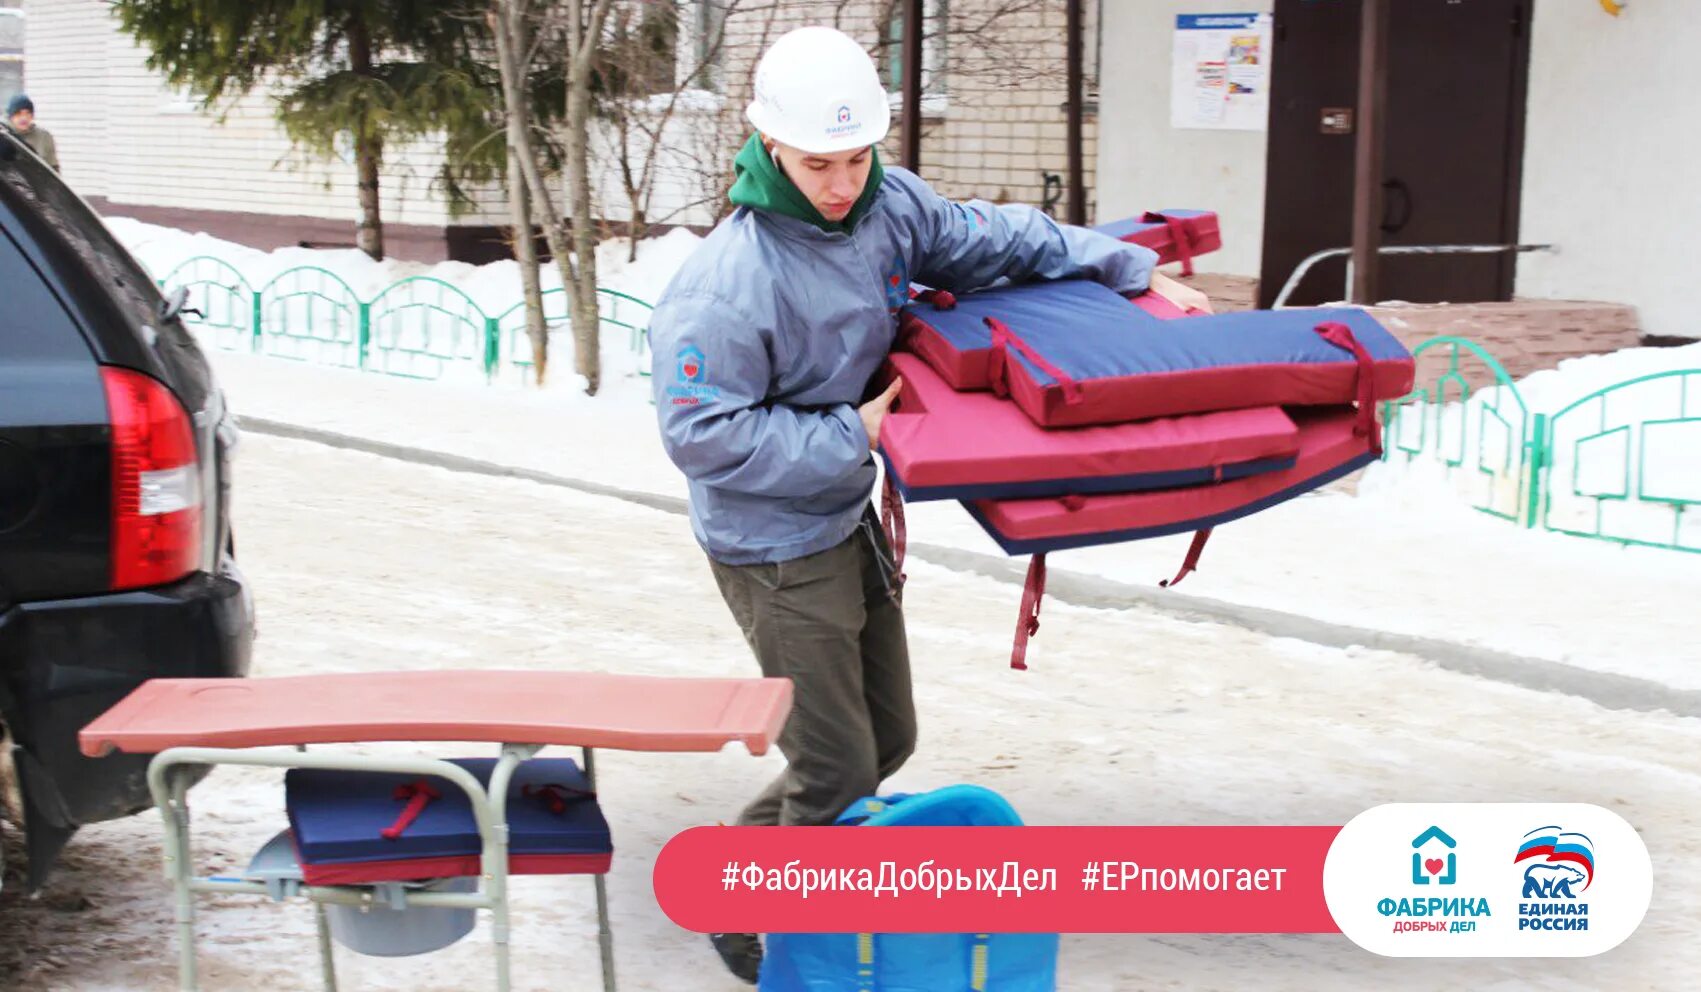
x=764, y=343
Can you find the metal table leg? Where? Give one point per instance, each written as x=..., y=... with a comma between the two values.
x=605, y=935
x=496, y=856
x=169, y=786
x=327, y=964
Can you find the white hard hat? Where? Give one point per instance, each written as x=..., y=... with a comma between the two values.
x=818, y=91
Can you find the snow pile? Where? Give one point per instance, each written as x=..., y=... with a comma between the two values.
x=1621, y=461
x=495, y=287
x=658, y=259
x=420, y=330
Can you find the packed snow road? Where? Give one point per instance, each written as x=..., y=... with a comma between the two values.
x=360, y=563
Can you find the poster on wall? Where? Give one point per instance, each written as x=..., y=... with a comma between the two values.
x=1221, y=73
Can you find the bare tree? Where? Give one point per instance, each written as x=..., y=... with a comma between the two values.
x=717, y=139
x=585, y=20
x=650, y=102
x=517, y=40
x=521, y=29
x=525, y=252
x=985, y=43
x=641, y=93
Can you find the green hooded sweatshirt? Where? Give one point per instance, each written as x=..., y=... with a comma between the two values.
x=762, y=186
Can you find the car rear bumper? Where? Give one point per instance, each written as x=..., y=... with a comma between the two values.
x=63, y=663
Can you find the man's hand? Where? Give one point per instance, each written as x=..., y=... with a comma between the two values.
x=874, y=411
x=1184, y=297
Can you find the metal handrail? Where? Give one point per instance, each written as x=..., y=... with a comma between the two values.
x=1311, y=260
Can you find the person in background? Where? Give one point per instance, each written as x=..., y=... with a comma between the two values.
x=20, y=117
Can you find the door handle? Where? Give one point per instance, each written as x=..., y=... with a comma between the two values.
x=1394, y=190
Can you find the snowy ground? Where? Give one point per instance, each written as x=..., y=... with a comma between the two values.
x=363, y=563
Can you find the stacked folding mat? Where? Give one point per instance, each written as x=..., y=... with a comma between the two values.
x=1064, y=415
x=1176, y=235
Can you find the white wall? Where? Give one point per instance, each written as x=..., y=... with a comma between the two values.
x=123, y=134
x=65, y=56
x=1144, y=164
x=1612, y=165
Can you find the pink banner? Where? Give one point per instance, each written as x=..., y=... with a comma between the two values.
x=996, y=879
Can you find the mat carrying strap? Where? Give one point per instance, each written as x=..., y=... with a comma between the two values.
x=1178, y=234
x=555, y=796
x=892, y=521
x=418, y=795
x=1027, y=624
x=998, y=363
x=1341, y=336
x=942, y=299
x=1191, y=562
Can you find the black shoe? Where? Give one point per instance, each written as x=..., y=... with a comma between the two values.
x=741, y=952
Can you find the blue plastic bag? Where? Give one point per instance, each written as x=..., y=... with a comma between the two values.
x=916, y=962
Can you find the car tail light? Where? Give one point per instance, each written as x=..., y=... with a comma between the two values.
x=156, y=483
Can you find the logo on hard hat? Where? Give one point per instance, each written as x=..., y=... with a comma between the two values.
x=847, y=124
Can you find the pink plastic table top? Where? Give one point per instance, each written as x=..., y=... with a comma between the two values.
x=579, y=709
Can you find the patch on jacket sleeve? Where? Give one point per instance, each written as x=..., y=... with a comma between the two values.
x=897, y=284
x=691, y=374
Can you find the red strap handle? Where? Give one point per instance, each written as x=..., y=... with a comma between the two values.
x=418, y=794
x=998, y=363
x=1341, y=336
x=892, y=520
x=1027, y=624
x=942, y=299
x=1177, y=234
x=1191, y=562
x=556, y=796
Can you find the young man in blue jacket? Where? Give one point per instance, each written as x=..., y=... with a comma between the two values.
x=764, y=344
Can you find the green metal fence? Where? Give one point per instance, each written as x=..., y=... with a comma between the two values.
x=617, y=310
x=425, y=328
x=1624, y=463
x=311, y=315
x=228, y=304
x=1618, y=465
x=1442, y=418
x=420, y=327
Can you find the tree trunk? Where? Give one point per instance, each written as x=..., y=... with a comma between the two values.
x=628, y=180
x=368, y=150
x=586, y=320
x=583, y=34
x=511, y=39
x=525, y=251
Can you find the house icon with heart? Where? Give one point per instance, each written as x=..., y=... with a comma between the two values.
x=691, y=364
x=1428, y=864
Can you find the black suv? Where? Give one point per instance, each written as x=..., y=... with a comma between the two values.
x=116, y=557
